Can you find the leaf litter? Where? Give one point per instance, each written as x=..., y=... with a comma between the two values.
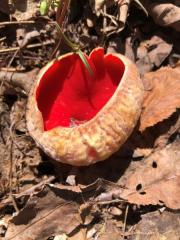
x=162, y=88
x=156, y=179
x=132, y=194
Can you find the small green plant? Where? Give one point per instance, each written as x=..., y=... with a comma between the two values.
x=45, y=5
x=44, y=8
x=76, y=49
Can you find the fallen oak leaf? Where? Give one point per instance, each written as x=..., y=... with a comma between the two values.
x=54, y=211
x=162, y=97
x=156, y=180
x=51, y=212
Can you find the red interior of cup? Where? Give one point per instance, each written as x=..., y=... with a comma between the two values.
x=68, y=95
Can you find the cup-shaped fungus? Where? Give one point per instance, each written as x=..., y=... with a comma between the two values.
x=79, y=118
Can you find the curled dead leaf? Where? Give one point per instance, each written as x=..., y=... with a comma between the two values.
x=162, y=96
x=156, y=180
x=165, y=14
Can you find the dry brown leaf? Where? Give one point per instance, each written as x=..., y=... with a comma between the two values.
x=155, y=180
x=25, y=10
x=162, y=97
x=51, y=212
x=161, y=50
x=151, y=53
x=158, y=225
x=21, y=10
x=109, y=231
x=169, y=128
x=165, y=14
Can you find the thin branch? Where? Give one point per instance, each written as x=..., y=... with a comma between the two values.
x=48, y=42
x=16, y=23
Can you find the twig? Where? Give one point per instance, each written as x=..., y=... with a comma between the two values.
x=61, y=12
x=11, y=175
x=48, y=42
x=38, y=186
x=27, y=192
x=60, y=15
x=8, y=69
x=12, y=58
x=2, y=39
x=16, y=22
x=125, y=221
x=123, y=11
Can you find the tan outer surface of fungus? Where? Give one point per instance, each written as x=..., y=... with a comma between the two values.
x=99, y=137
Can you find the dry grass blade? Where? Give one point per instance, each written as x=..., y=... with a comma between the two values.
x=141, y=6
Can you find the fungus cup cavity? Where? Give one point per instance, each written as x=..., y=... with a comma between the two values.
x=68, y=95
x=78, y=118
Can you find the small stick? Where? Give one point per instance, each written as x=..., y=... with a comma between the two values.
x=11, y=175
x=49, y=42
x=16, y=23
x=2, y=39
x=125, y=220
x=8, y=69
x=29, y=191
x=123, y=11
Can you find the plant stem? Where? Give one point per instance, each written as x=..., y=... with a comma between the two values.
x=75, y=48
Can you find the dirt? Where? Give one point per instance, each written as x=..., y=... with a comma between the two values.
x=135, y=193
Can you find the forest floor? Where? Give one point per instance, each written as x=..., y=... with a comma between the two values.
x=135, y=194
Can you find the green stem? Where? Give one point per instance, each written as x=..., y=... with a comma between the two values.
x=75, y=49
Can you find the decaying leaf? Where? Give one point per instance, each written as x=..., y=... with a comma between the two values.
x=51, y=212
x=109, y=230
x=24, y=10
x=158, y=225
x=156, y=180
x=151, y=53
x=165, y=14
x=55, y=211
x=168, y=128
x=162, y=96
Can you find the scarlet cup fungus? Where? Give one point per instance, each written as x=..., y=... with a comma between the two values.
x=78, y=118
